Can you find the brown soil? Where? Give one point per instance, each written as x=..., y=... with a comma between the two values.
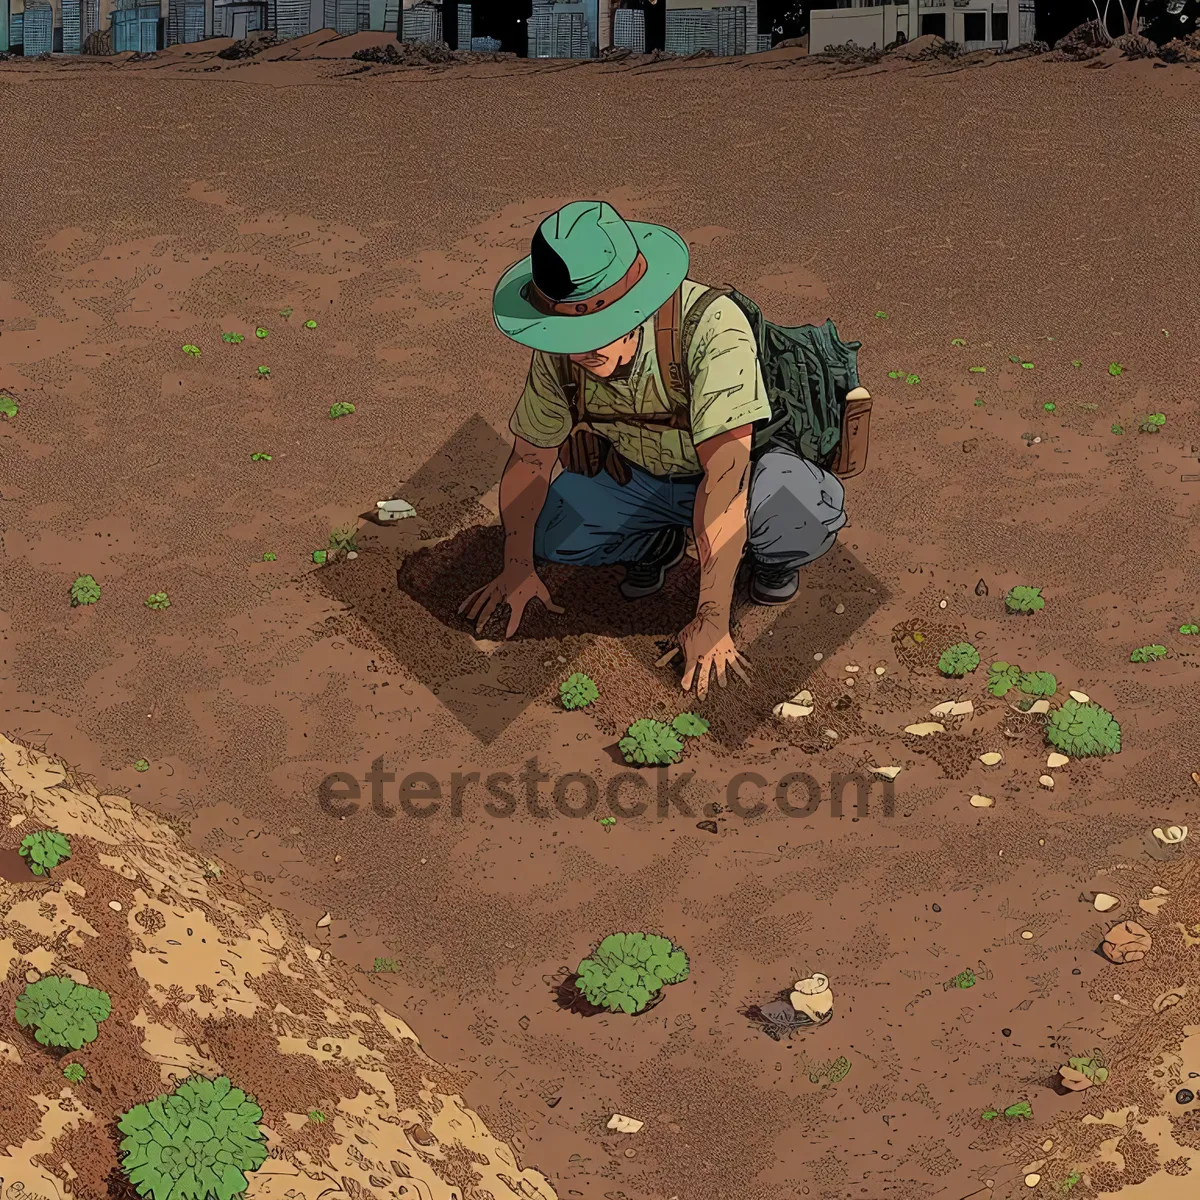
x=384, y=202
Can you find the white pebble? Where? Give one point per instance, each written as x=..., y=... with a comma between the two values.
x=851, y=667
x=941, y=604
x=881, y=670
x=114, y=906
x=1079, y=697
x=841, y=608
x=982, y=802
x=818, y=656
x=351, y=553
x=1046, y=781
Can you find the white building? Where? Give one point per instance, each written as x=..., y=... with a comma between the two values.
x=559, y=31
x=421, y=23
x=973, y=24
x=465, y=31
x=629, y=30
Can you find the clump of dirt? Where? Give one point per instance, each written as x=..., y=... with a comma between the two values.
x=204, y=979
x=425, y=54
x=249, y=47
x=851, y=54
x=1182, y=50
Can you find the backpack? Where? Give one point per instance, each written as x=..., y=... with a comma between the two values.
x=809, y=371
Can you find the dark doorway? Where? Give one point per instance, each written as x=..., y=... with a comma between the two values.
x=999, y=26
x=656, y=21
x=934, y=23
x=505, y=20
x=450, y=23
x=975, y=27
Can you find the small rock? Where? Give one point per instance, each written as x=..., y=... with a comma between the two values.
x=1184, y=1096
x=1047, y=1145
x=788, y=710
x=351, y=553
x=1057, y=760
x=818, y=656
x=924, y=728
x=630, y=1153
x=1152, y=905
x=887, y=772
x=851, y=668
x=881, y=670
x=1126, y=942
x=991, y=758
x=1039, y=706
x=1160, y=891
x=1046, y=781
x=941, y=604
x=707, y=826
x=841, y=608
x=953, y=708
x=831, y=734
x=982, y=802
x=969, y=445
x=623, y=1124
x=1172, y=835
x=1079, y=697
x=325, y=921
x=1033, y=1178
x=981, y=588
x=1027, y=934
x=337, y=858
x=114, y=905
x=1104, y=902
x=32, y=976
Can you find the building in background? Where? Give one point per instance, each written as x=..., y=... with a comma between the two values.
x=347, y=16
x=135, y=27
x=715, y=25
x=486, y=45
x=238, y=18
x=185, y=21
x=629, y=30
x=38, y=35
x=974, y=24
x=421, y=23
x=559, y=31
x=464, y=34
x=292, y=18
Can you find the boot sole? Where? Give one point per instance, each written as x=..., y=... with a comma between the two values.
x=640, y=593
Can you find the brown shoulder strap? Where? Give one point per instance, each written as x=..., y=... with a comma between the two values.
x=673, y=336
x=571, y=376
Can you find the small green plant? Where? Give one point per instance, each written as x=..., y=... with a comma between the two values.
x=269, y=556
x=1002, y=678
x=958, y=660
x=627, y=970
x=1189, y=629
x=1021, y=1111
x=319, y=557
x=977, y=370
x=385, y=966
x=141, y=765
x=192, y=351
x=607, y=823
x=285, y=313
x=1145, y=654
x=1152, y=423
x=1050, y=406
x=265, y=372
x=317, y=1117
x=650, y=743
x=882, y=316
x=1115, y=369
x=1070, y=1182
x=1090, y=1065
x=310, y=324
x=197, y=1143
x=964, y=979
x=85, y=590
x=1083, y=730
x=958, y=341
x=979, y=402
x=259, y=456
x=911, y=379
x=8, y=407
x=1038, y=683
x=895, y=374
x=1117, y=429
x=1077, y=362
x=690, y=725
x=44, y=850
x=340, y=409
x=1023, y=599
x=261, y=333
x=158, y=601
x=62, y=1013
x=74, y=1073
x=233, y=339
x=578, y=691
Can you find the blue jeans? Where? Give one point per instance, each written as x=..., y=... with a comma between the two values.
x=795, y=511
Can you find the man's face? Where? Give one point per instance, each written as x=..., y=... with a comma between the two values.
x=603, y=362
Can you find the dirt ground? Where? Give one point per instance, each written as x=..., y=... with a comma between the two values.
x=1033, y=210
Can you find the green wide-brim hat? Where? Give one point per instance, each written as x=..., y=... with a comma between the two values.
x=590, y=278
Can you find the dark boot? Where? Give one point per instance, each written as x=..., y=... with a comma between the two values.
x=770, y=585
x=646, y=577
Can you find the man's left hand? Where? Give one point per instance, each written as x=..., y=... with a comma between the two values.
x=707, y=646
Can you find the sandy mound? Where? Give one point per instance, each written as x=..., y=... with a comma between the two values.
x=919, y=47
x=205, y=979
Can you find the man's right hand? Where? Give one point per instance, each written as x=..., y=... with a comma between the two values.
x=513, y=588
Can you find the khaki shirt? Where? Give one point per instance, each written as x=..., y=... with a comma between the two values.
x=727, y=391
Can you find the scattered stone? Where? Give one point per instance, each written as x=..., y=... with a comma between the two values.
x=1160, y=891
x=991, y=758
x=1047, y=1146
x=981, y=588
x=325, y=921
x=1126, y=942
x=114, y=905
x=1104, y=902
x=1184, y=1096
x=881, y=670
x=982, y=802
x=707, y=826
x=887, y=772
x=937, y=908
x=32, y=976
x=394, y=510
x=941, y=604
x=623, y=1124
x=1057, y=760
x=788, y=710
x=1039, y=706
x=1152, y=905
x=1046, y=781
x=813, y=997
x=953, y=708
x=841, y=608
x=351, y=553
x=1079, y=697
x=831, y=734
x=1032, y=1179
x=1027, y=934
x=924, y=728
x=851, y=668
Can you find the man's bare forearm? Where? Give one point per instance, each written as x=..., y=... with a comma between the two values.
x=720, y=527
x=523, y=488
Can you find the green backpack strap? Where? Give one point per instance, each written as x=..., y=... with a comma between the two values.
x=673, y=363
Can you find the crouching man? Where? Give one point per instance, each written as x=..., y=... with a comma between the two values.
x=647, y=388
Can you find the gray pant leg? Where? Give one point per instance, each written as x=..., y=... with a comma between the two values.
x=795, y=511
